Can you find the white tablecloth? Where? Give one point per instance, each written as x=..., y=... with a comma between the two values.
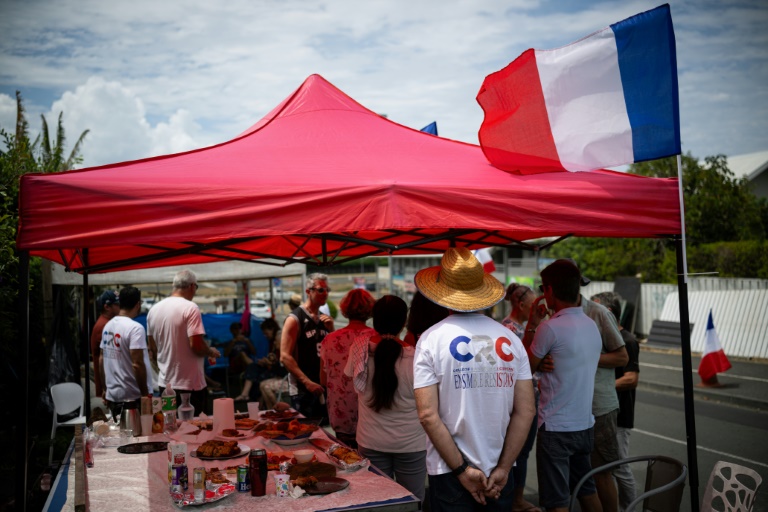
x=132, y=483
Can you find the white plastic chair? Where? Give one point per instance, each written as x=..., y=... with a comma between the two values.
x=729, y=490
x=67, y=398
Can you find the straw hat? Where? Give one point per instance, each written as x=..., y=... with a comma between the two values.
x=459, y=283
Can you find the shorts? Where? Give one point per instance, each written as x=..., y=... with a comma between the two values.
x=562, y=459
x=606, y=443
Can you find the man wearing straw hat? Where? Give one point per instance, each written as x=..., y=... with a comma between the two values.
x=473, y=389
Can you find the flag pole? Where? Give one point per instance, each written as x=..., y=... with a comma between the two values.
x=682, y=214
x=685, y=342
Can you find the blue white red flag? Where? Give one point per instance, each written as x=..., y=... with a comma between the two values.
x=608, y=99
x=485, y=259
x=713, y=360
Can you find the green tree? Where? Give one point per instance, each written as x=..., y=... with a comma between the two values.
x=726, y=226
x=21, y=156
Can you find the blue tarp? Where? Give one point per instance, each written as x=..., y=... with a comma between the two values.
x=217, y=330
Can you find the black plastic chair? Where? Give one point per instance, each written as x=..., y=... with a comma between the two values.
x=664, y=482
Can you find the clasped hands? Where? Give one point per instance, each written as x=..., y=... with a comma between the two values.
x=475, y=481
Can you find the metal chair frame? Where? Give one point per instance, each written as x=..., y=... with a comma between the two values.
x=680, y=480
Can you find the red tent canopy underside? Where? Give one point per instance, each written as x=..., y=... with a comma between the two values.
x=320, y=180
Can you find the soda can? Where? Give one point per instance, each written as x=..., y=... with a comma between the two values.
x=179, y=478
x=243, y=479
x=198, y=484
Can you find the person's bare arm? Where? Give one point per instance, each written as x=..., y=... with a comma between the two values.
x=201, y=348
x=628, y=381
x=615, y=359
x=287, y=346
x=327, y=322
x=523, y=411
x=472, y=479
x=139, y=370
x=152, y=347
x=103, y=380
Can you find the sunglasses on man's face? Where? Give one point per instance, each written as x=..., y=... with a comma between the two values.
x=321, y=289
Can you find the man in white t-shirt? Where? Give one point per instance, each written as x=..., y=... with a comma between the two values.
x=175, y=330
x=122, y=358
x=473, y=389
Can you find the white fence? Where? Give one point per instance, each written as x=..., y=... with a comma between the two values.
x=739, y=308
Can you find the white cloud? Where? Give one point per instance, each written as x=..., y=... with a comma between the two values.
x=117, y=124
x=171, y=76
x=7, y=113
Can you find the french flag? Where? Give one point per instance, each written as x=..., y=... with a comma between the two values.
x=608, y=99
x=485, y=259
x=714, y=360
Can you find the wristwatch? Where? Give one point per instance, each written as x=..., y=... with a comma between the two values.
x=461, y=469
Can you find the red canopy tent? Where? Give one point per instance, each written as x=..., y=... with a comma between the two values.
x=318, y=180
x=321, y=179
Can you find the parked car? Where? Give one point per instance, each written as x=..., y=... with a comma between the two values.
x=261, y=309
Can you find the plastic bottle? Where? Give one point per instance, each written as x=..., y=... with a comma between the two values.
x=186, y=410
x=169, y=409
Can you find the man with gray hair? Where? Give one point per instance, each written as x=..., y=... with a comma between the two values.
x=175, y=333
x=303, y=331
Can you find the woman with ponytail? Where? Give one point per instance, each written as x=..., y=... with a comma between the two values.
x=388, y=430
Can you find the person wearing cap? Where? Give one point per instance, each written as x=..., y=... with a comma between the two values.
x=123, y=359
x=473, y=389
x=109, y=306
x=566, y=436
x=303, y=332
x=175, y=333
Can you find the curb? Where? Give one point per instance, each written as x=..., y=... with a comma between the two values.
x=706, y=395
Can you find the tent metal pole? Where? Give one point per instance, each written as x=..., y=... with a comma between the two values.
x=685, y=339
x=87, y=337
x=22, y=409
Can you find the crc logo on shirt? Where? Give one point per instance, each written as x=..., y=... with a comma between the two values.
x=481, y=347
x=110, y=338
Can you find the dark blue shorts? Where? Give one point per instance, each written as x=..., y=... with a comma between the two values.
x=562, y=459
x=446, y=494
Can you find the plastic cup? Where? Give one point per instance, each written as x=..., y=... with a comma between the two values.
x=281, y=485
x=126, y=436
x=253, y=410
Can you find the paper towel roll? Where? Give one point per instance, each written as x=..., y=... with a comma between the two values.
x=223, y=414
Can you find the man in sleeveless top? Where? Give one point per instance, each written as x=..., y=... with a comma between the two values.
x=303, y=331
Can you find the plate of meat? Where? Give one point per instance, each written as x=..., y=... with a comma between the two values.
x=320, y=485
x=279, y=415
x=233, y=434
x=220, y=450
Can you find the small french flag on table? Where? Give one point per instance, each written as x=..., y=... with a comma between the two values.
x=606, y=100
x=713, y=360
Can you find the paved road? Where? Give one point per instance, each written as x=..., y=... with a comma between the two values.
x=731, y=422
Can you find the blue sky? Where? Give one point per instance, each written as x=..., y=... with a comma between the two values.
x=149, y=78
